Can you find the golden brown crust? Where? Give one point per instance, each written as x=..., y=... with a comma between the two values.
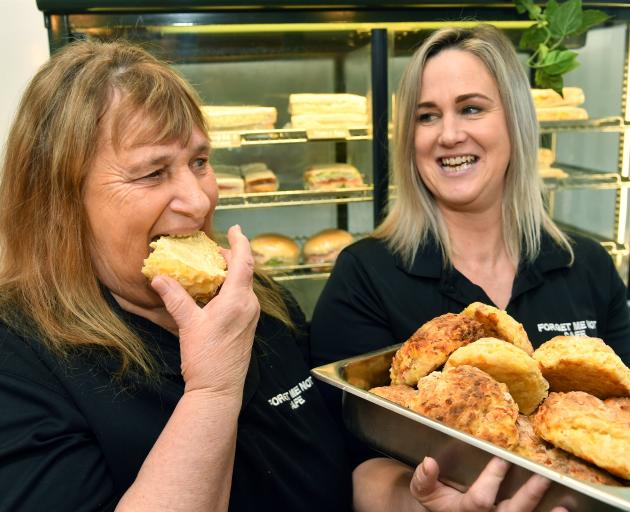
x=533, y=447
x=397, y=393
x=500, y=325
x=581, y=363
x=586, y=427
x=508, y=364
x=194, y=261
x=621, y=405
x=429, y=347
x=468, y=399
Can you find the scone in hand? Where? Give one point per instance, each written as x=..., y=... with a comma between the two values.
x=193, y=260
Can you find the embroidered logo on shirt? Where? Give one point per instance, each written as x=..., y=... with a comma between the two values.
x=293, y=396
x=576, y=328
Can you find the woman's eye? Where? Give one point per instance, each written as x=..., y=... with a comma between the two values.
x=200, y=164
x=471, y=109
x=426, y=117
x=158, y=173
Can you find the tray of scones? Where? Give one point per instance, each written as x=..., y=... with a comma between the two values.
x=469, y=386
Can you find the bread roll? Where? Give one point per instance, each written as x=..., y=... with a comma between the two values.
x=193, y=260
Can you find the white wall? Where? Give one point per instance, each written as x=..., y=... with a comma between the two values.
x=23, y=48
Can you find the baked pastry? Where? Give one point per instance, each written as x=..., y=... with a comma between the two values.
x=582, y=363
x=571, y=96
x=500, y=325
x=429, y=347
x=468, y=399
x=586, y=427
x=561, y=114
x=193, y=260
x=508, y=364
x=533, y=447
x=332, y=176
x=620, y=404
x=397, y=393
x=245, y=117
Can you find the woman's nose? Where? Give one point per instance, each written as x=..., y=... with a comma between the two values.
x=451, y=132
x=190, y=198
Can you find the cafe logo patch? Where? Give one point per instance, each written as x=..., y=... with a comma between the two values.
x=576, y=328
x=294, y=396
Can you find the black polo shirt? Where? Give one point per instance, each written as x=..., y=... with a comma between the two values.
x=372, y=300
x=71, y=438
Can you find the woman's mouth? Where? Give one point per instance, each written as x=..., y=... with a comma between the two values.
x=457, y=164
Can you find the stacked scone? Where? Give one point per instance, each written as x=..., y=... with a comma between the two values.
x=565, y=405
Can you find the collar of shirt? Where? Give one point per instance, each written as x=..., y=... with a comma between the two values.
x=428, y=263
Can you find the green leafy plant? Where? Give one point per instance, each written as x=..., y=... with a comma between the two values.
x=554, y=24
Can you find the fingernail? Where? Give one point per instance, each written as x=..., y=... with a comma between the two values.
x=423, y=467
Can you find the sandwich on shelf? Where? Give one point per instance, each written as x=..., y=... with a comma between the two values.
x=550, y=106
x=245, y=117
x=332, y=176
x=259, y=178
x=324, y=247
x=229, y=179
x=546, y=158
x=273, y=250
x=310, y=111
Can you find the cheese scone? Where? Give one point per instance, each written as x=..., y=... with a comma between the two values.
x=508, y=364
x=582, y=363
x=429, y=347
x=397, y=393
x=193, y=260
x=499, y=325
x=585, y=426
x=533, y=447
x=468, y=399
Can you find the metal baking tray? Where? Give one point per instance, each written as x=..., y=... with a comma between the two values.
x=409, y=436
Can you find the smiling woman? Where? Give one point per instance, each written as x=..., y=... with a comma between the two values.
x=122, y=393
x=468, y=225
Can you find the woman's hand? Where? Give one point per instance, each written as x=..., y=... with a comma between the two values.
x=438, y=497
x=216, y=340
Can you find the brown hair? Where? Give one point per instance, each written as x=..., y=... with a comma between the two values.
x=48, y=286
x=414, y=215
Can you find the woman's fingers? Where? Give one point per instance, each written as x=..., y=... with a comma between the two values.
x=425, y=479
x=239, y=259
x=178, y=303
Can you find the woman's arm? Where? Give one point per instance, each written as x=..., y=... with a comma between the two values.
x=190, y=466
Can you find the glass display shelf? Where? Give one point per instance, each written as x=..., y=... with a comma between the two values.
x=614, y=124
x=578, y=177
x=239, y=138
x=295, y=198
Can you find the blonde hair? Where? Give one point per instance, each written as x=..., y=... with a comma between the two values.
x=414, y=215
x=48, y=286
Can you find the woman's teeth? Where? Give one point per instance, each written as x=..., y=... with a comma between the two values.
x=457, y=163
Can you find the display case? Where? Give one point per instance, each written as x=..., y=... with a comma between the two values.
x=259, y=54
